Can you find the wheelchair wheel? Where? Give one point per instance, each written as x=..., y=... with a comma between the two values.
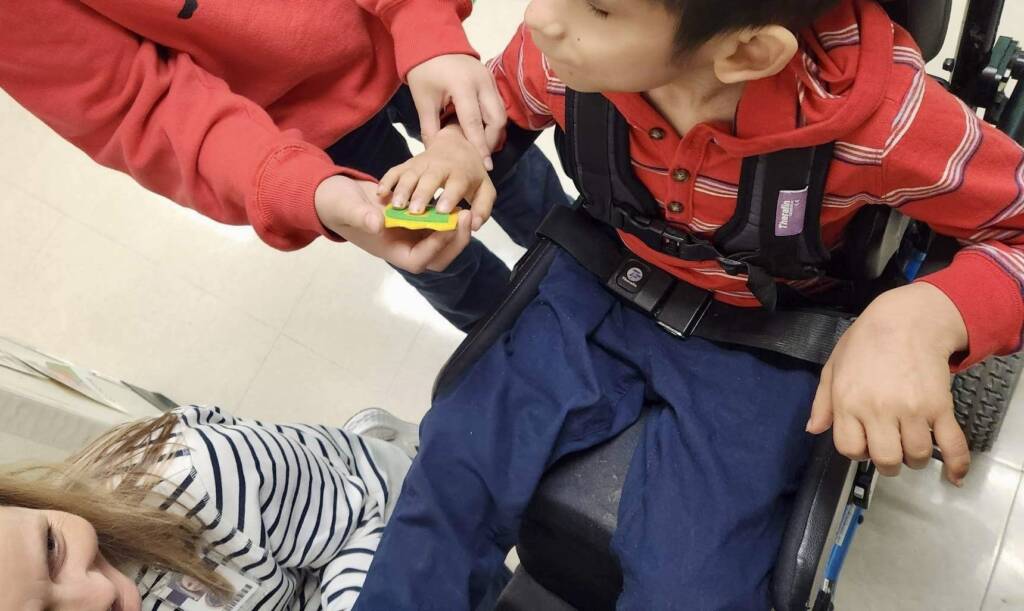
x=981, y=396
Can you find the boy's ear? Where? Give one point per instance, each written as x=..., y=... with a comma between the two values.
x=753, y=54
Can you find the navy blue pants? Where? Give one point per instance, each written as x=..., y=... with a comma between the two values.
x=476, y=280
x=708, y=491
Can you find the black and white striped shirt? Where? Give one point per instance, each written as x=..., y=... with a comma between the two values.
x=296, y=509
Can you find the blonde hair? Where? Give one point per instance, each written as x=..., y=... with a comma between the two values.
x=107, y=484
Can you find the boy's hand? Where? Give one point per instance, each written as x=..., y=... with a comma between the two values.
x=353, y=210
x=450, y=162
x=886, y=388
x=468, y=84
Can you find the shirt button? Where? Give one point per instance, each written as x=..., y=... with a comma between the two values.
x=680, y=175
x=656, y=133
x=675, y=207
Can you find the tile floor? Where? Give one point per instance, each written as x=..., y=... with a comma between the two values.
x=98, y=270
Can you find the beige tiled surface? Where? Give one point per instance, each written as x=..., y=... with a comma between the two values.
x=928, y=545
x=1006, y=591
x=94, y=300
x=100, y=271
x=294, y=384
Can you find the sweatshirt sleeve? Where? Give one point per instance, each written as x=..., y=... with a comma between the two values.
x=423, y=29
x=153, y=113
x=966, y=180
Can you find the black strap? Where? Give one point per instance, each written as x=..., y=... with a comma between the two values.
x=517, y=142
x=599, y=163
x=684, y=309
x=757, y=241
x=595, y=152
x=808, y=335
x=778, y=212
x=597, y=158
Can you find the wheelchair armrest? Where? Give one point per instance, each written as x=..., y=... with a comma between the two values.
x=820, y=500
x=522, y=290
x=872, y=238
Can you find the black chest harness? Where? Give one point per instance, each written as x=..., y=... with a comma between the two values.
x=775, y=233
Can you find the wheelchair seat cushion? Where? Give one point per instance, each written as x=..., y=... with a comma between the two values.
x=566, y=534
x=564, y=543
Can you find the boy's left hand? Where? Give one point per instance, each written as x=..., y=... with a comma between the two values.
x=465, y=82
x=449, y=163
x=886, y=388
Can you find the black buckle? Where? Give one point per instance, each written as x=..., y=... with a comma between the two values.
x=677, y=307
x=732, y=266
x=656, y=233
x=664, y=238
x=640, y=283
x=684, y=308
x=673, y=241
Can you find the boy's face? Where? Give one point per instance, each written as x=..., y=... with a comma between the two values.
x=607, y=45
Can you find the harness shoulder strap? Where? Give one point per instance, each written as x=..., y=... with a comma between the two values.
x=777, y=223
x=597, y=158
x=775, y=231
x=595, y=153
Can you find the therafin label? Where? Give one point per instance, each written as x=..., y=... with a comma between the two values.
x=789, y=213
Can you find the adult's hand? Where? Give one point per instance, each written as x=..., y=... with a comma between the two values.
x=353, y=210
x=467, y=84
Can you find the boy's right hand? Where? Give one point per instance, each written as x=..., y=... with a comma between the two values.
x=451, y=163
x=353, y=210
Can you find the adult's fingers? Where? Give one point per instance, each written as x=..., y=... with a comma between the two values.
x=413, y=252
x=494, y=115
x=467, y=107
x=916, y=438
x=428, y=108
x=956, y=456
x=358, y=212
x=433, y=252
x=444, y=258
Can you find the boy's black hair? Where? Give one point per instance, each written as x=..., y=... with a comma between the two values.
x=702, y=20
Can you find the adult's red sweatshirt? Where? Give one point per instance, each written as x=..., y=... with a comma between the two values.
x=220, y=105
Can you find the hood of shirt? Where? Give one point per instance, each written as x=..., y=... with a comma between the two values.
x=834, y=84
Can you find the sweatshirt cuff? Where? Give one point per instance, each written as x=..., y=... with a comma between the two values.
x=283, y=209
x=989, y=300
x=425, y=29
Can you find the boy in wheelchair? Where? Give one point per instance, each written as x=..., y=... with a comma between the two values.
x=729, y=143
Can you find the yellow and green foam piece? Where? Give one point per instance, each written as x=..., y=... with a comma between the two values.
x=429, y=219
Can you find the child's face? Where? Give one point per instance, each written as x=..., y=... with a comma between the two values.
x=607, y=45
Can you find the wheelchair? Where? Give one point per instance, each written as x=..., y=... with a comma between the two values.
x=565, y=558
